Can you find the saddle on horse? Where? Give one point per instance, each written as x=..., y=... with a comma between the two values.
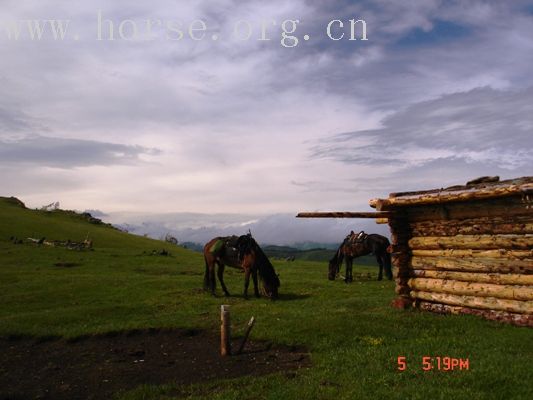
x=230, y=246
x=356, y=238
x=228, y=241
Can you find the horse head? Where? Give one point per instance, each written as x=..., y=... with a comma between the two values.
x=269, y=278
x=333, y=269
x=270, y=287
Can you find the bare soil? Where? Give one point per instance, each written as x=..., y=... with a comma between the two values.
x=97, y=367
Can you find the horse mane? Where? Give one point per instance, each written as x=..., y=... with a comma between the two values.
x=338, y=257
x=264, y=267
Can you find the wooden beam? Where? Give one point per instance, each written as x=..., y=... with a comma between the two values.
x=344, y=214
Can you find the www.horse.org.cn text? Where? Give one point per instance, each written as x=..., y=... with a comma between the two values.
x=287, y=33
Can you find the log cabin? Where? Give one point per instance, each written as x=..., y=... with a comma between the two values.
x=464, y=249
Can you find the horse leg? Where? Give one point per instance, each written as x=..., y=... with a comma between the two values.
x=209, y=277
x=213, y=279
x=246, y=282
x=349, y=264
x=380, y=263
x=254, y=279
x=220, y=273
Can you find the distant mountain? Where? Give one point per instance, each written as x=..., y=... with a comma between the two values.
x=192, y=246
x=316, y=245
x=286, y=252
x=276, y=229
x=317, y=254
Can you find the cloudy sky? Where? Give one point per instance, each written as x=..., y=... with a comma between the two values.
x=440, y=93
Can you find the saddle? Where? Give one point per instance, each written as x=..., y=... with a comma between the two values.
x=357, y=238
x=229, y=242
x=230, y=247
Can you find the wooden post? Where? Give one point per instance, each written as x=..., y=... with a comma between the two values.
x=246, y=335
x=225, y=331
x=345, y=214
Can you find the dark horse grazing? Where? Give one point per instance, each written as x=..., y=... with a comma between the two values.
x=239, y=252
x=356, y=245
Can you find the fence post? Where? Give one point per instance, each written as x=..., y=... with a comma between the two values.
x=225, y=331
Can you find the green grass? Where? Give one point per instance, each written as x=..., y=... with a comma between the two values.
x=353, y=334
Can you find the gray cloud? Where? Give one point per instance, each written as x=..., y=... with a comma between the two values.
x=13, y=120
x=68, y=153
x=192, y=84
x=480, y=126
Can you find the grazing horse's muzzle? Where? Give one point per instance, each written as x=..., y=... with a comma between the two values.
x=271, y=293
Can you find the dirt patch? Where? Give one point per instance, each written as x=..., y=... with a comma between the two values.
x=96, y=367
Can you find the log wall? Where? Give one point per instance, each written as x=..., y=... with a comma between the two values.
x=465, y=257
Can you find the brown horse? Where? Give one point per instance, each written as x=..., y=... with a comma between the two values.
x=356, y=245
x=239, y=252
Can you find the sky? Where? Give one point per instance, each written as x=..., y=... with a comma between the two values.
x=440, y=92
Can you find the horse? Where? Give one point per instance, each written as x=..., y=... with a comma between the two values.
x=244, y=253
x=356, y=245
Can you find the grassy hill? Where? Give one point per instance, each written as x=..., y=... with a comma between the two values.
x=354, y=336
x=21, y=222
x=114, y=286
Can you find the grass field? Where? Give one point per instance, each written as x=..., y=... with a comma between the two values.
x=354, y=336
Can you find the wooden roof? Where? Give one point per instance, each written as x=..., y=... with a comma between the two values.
x=477, y=189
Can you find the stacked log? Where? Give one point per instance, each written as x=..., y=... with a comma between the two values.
x=495, y=278
x=502, y=316
x=467, y=250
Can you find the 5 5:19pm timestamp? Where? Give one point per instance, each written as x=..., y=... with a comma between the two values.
x=436, y=363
